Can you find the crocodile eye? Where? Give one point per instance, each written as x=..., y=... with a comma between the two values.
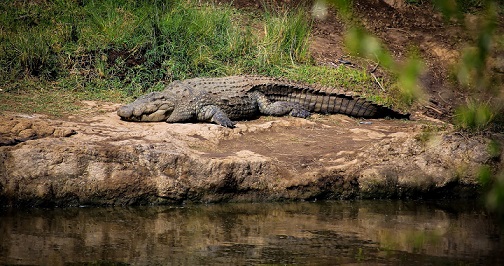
x=165, y=106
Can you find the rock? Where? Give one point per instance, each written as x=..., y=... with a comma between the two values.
x=112, y=162
x=406, y=164
x=18, y=129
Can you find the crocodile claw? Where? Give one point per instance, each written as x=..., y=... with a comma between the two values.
x=229, y=124
x=223, y=120
x=300, y=112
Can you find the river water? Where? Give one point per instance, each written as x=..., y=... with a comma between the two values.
x=306, y=233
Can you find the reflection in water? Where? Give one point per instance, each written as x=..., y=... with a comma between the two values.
x=325, y=233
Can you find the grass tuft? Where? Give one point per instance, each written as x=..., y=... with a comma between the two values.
x=474, y=116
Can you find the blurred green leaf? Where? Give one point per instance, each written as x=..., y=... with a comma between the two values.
x=495, y=196
x=494, y=148
x=485, y=175
x=408, y=79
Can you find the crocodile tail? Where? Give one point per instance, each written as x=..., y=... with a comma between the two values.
x=329, y=101
x=356, y=106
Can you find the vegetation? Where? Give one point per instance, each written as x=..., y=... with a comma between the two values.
x=116, y=50
x=484, y=107
x=474, y=75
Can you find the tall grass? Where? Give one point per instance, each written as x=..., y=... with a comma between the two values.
x=199, y=41
x=285, y=39
x=135, y=44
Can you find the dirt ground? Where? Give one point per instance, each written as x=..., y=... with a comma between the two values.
x=301, y=146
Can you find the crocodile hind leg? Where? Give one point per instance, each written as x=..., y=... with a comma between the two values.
x=279, y=108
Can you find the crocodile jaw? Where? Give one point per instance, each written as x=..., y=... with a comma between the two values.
x=126, y=113
x=154, y=107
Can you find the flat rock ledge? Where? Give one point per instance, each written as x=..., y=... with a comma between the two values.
x=101, y=160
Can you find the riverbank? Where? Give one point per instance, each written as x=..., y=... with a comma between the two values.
x=61, y=143
x=97, y=159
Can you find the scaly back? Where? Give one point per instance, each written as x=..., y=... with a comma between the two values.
x=316, y=99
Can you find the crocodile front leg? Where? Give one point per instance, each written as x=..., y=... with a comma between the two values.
x=279, y=108
x=199, y=107
x=214, y=114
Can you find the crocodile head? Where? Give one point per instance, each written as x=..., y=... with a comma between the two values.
x=153, y=107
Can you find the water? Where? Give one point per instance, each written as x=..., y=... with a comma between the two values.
x=322, y=233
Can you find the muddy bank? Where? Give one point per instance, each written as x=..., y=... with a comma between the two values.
x=102, y=160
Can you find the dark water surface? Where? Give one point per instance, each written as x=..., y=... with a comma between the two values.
x=322, y=233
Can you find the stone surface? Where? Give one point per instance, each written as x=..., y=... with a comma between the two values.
x=113, y=162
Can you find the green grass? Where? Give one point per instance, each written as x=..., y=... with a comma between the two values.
x=54, y=99
x=474, y=116
x=115, y=50
x=285, y=39
x=350, y=79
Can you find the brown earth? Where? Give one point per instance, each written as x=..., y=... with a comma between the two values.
x=109, y=161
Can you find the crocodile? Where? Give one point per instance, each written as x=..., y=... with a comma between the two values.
x=223, y=100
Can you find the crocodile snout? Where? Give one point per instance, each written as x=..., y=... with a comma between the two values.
x=125, y=112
